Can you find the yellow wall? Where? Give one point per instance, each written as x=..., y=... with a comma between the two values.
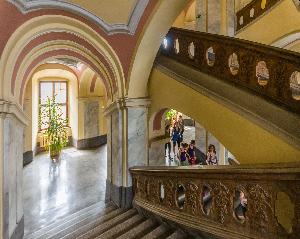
x=187, y=18
x=280, y=21
x=148, y=45
x=111, y=11
x=248, y=142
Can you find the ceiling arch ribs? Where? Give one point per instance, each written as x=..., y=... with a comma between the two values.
x=130, y=27
x=45, y=53
x=72, y=35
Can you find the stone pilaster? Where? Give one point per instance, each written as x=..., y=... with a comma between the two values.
x=200, y=137
x=201, y=16
x=215, y=16
x=127, y=139
x=12, y=124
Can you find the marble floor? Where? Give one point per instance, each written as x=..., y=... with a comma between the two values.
x=50, y=193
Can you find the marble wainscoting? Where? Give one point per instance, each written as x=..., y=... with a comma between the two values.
x=91, y=119
x=27, y=157
x=90, y=143
x=13, y=223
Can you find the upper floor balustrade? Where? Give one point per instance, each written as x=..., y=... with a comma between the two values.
x=259, y=201
x=252, y=11
x=269, y=72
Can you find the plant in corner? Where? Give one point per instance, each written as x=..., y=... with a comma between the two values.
x=55, y=131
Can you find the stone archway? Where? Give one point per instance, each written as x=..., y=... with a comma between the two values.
x=28, y=48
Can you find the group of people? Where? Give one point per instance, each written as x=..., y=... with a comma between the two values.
x=187, y=154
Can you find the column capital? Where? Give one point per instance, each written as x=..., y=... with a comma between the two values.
x=125, y=103
x=9, y=108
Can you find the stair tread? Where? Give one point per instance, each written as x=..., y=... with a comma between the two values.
x=89, y=226
x=108, y=224
x=140, y=230
x=69, y=219
x=157, y=232
x=47, y=219
x=121, y=228
x=177, y=235
x=64, y=230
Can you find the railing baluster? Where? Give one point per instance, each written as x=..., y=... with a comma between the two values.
x=267, y=71
x=239, y=202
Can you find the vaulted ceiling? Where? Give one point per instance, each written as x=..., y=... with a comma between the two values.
x=112, y=15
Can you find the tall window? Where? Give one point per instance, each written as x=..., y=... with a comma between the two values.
x=59, y=89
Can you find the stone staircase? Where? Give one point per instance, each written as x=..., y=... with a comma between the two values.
x=106, y=221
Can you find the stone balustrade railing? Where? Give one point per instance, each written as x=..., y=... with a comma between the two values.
x=225, y=201
x=252, y=11
x=266, y=71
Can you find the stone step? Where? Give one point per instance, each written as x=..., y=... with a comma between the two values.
x=140, y=230
x=122, y=228
x=177, y=235
x=71, y=228
x=103, y=227
x=61, y=213
x=89, y=226
x=159, y=232
x=70, y=219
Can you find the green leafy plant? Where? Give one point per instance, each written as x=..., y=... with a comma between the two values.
x=55, y=131
x=170, y=114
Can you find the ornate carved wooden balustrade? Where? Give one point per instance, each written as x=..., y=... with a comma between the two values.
x=252, y=11
x=229, y=202
x=269, y=72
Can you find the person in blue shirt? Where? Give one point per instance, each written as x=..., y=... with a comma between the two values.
x=175, y=137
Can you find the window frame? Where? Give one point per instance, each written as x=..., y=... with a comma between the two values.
x=53, y=93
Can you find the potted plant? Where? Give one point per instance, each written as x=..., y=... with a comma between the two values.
x=55, y=130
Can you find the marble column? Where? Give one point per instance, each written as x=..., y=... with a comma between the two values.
x=205, y=138
x=201, y=16
x=215, y=16
x=157, y=153
x=200, y=137
x=12, y=124
x=230, y=18
x=222, y=160
x=137, y=135
x=127, y=146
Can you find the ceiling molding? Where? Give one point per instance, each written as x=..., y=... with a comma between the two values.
x=26, y=6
